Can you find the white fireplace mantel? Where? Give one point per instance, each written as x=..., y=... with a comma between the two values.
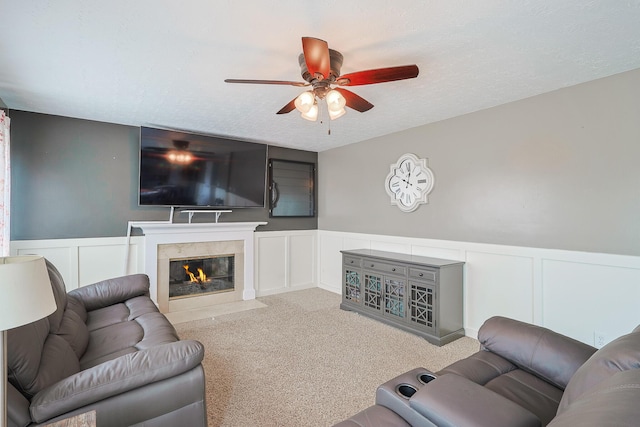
x=160, y=232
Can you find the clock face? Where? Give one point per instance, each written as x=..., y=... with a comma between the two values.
x=409, y=182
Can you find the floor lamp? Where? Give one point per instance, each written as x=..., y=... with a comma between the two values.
x=25, y=296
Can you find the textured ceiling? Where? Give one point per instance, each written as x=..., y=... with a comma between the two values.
x=163, y=63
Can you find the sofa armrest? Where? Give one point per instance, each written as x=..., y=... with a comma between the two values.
x=112, y=291
x=17, y=407
x=540, y=351
x=116, y=376
x=454, y=401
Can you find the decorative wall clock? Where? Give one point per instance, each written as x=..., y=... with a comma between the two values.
x=409, y=182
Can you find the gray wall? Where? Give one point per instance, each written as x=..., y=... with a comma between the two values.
x=559, y=170
x=75, y=178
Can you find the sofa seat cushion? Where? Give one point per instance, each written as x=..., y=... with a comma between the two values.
x=107, y=316
x=480, y=367
x=117, y=313
x=503, y=377
x=111, y=341
x=453, y=401
x=532, y=393
x=125, y=336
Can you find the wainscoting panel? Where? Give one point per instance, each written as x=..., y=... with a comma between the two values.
x=285, y=261
x=64, y=258
x=330, y=260
x=105, y=261
x=85, y=261
x=604, y=298
x=302, y=260
x=271, y=261
x=498, y=285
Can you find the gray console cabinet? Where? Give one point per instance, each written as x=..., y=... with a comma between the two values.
x=419, y=294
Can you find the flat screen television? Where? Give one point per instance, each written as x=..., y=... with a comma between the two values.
x=190, y=170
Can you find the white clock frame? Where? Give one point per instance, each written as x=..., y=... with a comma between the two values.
x=415, y=173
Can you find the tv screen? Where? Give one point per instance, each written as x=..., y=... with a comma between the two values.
x=184, y=169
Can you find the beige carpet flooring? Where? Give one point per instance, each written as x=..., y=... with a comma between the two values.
x=301, y=361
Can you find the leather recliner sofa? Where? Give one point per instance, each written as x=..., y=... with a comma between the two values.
x=106, y=348
x=524, y=375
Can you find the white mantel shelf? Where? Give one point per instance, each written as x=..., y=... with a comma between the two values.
x=165, y=232
x=162, y=227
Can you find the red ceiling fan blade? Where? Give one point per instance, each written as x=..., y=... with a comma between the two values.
x=355, y=101
x=316, y=56
x=267, y=82
x=379, y=75
x=288, y=108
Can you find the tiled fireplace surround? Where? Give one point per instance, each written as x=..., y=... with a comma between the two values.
x=164, y=241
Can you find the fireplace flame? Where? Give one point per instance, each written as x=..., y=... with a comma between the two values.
x=201, y=278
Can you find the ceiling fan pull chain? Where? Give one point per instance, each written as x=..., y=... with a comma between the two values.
x=321, y=110
x=321, y=114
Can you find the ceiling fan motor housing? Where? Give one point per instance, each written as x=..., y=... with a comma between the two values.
x=335, y=61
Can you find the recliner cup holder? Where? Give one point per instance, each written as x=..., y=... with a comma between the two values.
x=406, y=390
x=426, y=377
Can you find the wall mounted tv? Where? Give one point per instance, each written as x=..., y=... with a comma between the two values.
x=184, y=169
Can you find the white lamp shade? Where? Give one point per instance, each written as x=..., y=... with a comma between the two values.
x=335, y=100
x=312, y=114
x=25, y=291
x=333, y=114
x=305, y=102
x=335, y=104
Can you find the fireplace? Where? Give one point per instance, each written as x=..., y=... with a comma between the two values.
x=197, y=276
x=164, y=241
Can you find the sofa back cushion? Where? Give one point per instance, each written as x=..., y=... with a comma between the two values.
x=538, y=350
x=74, y=330
x=60, y=295
x=37, y=359
x=69, y=319
x=621, y=354
x=612, y=402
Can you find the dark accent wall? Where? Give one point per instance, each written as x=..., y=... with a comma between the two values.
x=74, y=178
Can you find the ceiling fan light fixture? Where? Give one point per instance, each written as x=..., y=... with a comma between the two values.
x=335, y=100
x=334, y=114
x=335, y=104
x=305, y=102
x=311, y=114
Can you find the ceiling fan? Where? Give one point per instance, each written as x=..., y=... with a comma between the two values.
x=320, y=68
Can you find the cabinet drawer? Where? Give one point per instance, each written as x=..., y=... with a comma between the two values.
x=422, y=274
x=383, y=266
x=351, y=261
